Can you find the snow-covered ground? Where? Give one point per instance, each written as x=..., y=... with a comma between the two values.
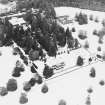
x=89, y=28
x=71, y=87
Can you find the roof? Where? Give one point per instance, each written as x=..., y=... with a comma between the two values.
x=17, y=21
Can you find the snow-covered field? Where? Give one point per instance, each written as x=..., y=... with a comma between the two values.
x=71, y=87
x=5, y=8
x=89, y=28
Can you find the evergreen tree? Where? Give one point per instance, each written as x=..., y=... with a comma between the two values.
x=12, y=85
x=76, y=43
x=44, y=89
x=80, y=61
x=48, y=72
x=92, y=72
x=70, y=43
x=3, y=91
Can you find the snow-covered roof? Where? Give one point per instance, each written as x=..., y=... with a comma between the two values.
x=17, y=21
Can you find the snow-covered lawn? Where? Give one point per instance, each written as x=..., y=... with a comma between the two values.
x=71, y=87
x=89, y=28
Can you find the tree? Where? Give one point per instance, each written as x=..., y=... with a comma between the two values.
x=27, y=86
x=62, y=102
x=82, y=35
x=28, y=17
x=102, y=82
x=88, y=101
x=73, y=29
x=21, y=4
x=82, y=19
x=32, y=81
x=90, y=90
x=92, y=72
x=23, y=99
x=48, y=72
x=16, y=72
x=86, y=46
x=52, y=48
x=80, y=61
x=50, y=12
x=67, y=31
x=99, y=48
x=33, y=69
x=103, y=56
x=95, y=32
x=39, y=80
x=2, y=32
x=12, y=85
x=44, y=88
x=69, y=34
x=34, y=55
x=91, y=17
x=76, y=43
x=70, y=43
x=61, y=36
x=4, y=1
x=3, y=91
x=48, y=9
x=34, y=24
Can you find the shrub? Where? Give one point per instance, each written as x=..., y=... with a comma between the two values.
x=12, y=85
x=90, y=90
x=102, y=82
x=92, y=72
x=88, y=101
x=48, y=72
x=76, y=17
x=96, y=20
x=16, y=72
x=80, y=61
x=34, y=55
x=73, y=29
x=19, y=64
x=103, y=22
x=27, y=86
x=44, y=89
x=23, y=99
x=0, y=53
x=82, y=35
x=3, y=91
x=99, y=48
x=82, y=19
x=76, y=43
x=38, y=78
x=86, y=45
x=33, y=69
x=62, y=102
x=101, y=33
x=91, y=17
x=32, y=81
x=100, y=41
x=95, y=32
x=103, y=57
x=99, y=56
x=16, y=50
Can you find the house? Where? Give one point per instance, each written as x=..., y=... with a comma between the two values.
x=17, y=21
x=64, y=19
